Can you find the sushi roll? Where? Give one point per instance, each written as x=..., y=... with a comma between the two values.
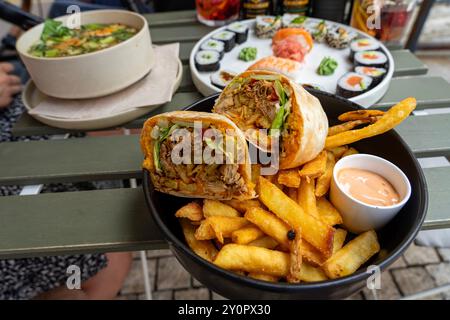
x=377, y=74
x=363, y=44
x=318, y=31
x=353, y=84
x=207, y=60
x=222, y=78
x=228, y=39
x=293, y=20
x=376, y=59
x=241, y=31
x=266, y=26
x=339, y=38
x=214, y=45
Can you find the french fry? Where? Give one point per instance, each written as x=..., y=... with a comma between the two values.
x=328, y=213
x=263, y=277
x=307, y=199
x=269, y=224
x=323, y=182
x=346, y=126
x=278, y=230
x=295, y=266
x=219, y=227
x=339, y=239
x=360, y=115
x=256, y=172
x=274, y=179
x=246, y=235
x=253, y=259
x=203, y=248
x=312, y=255
x=292, y=193
x=289, y=178
x=242, y=205
x=389, y=120
x=192, y=211
x=314, y=231
x=310, y=273
x=264, y=242
x=213, y=208
x=315, y=167
x=349, y=152
x=338, y=151
x=354, y=254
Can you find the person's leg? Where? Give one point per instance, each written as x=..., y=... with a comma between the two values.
x=104, y=285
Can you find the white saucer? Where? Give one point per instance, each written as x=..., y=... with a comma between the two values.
x=31, y=97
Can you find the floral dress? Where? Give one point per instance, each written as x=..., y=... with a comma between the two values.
x=26, y=278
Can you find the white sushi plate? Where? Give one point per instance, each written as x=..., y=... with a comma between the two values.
x=308, y=73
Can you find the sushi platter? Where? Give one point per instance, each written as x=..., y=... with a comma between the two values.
x=316, y=53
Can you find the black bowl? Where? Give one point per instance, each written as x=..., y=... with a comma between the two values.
x=394, y=238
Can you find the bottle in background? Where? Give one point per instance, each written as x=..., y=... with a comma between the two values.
x=387, y=20
x=295, y=6
x=333, y=10
x=253, y=8
x=217, y=12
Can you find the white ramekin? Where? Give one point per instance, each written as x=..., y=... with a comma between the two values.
x=359, y=216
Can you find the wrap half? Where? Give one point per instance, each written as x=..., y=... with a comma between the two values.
x=197, y=155
x=257, y=99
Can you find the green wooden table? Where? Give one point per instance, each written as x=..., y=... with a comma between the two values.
x=117, y=219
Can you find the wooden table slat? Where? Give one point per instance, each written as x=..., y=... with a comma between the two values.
x=179, y=34
x=119, y=157
x=407, y=64
x=162, y=19
x=118, y=220
x=430, y=92
x=76, y=222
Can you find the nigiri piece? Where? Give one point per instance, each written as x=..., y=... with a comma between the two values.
x=300, y=35
x=287, y=67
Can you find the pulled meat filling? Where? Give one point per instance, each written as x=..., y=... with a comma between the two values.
x=254, y=105
x=213, y=179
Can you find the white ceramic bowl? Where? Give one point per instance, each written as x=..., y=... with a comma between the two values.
x=359, y=216
x=93, y=74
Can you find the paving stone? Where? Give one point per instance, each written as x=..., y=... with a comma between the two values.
x=388, y=290
x=196, y=283
x=159, y=295
x=159, y=253
x=399, y=263
x=356, y=296
x=445, y=254
x=192, y=294
x=417, y=255
x=136, y=255
x=216, y=296
x=134, y=283
x=441, y=274
x=413, y=280
x=171, y=275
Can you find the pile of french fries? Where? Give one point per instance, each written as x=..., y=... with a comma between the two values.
x=291, y=232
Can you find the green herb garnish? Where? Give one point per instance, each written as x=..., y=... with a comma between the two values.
x=327, y=66
x=248, y=54
x=277, y=122
x=298, y=20
x=164, y=133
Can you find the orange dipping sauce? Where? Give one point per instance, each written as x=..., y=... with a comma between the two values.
x=368, y=187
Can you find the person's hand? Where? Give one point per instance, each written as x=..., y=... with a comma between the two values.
x=9, y=84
